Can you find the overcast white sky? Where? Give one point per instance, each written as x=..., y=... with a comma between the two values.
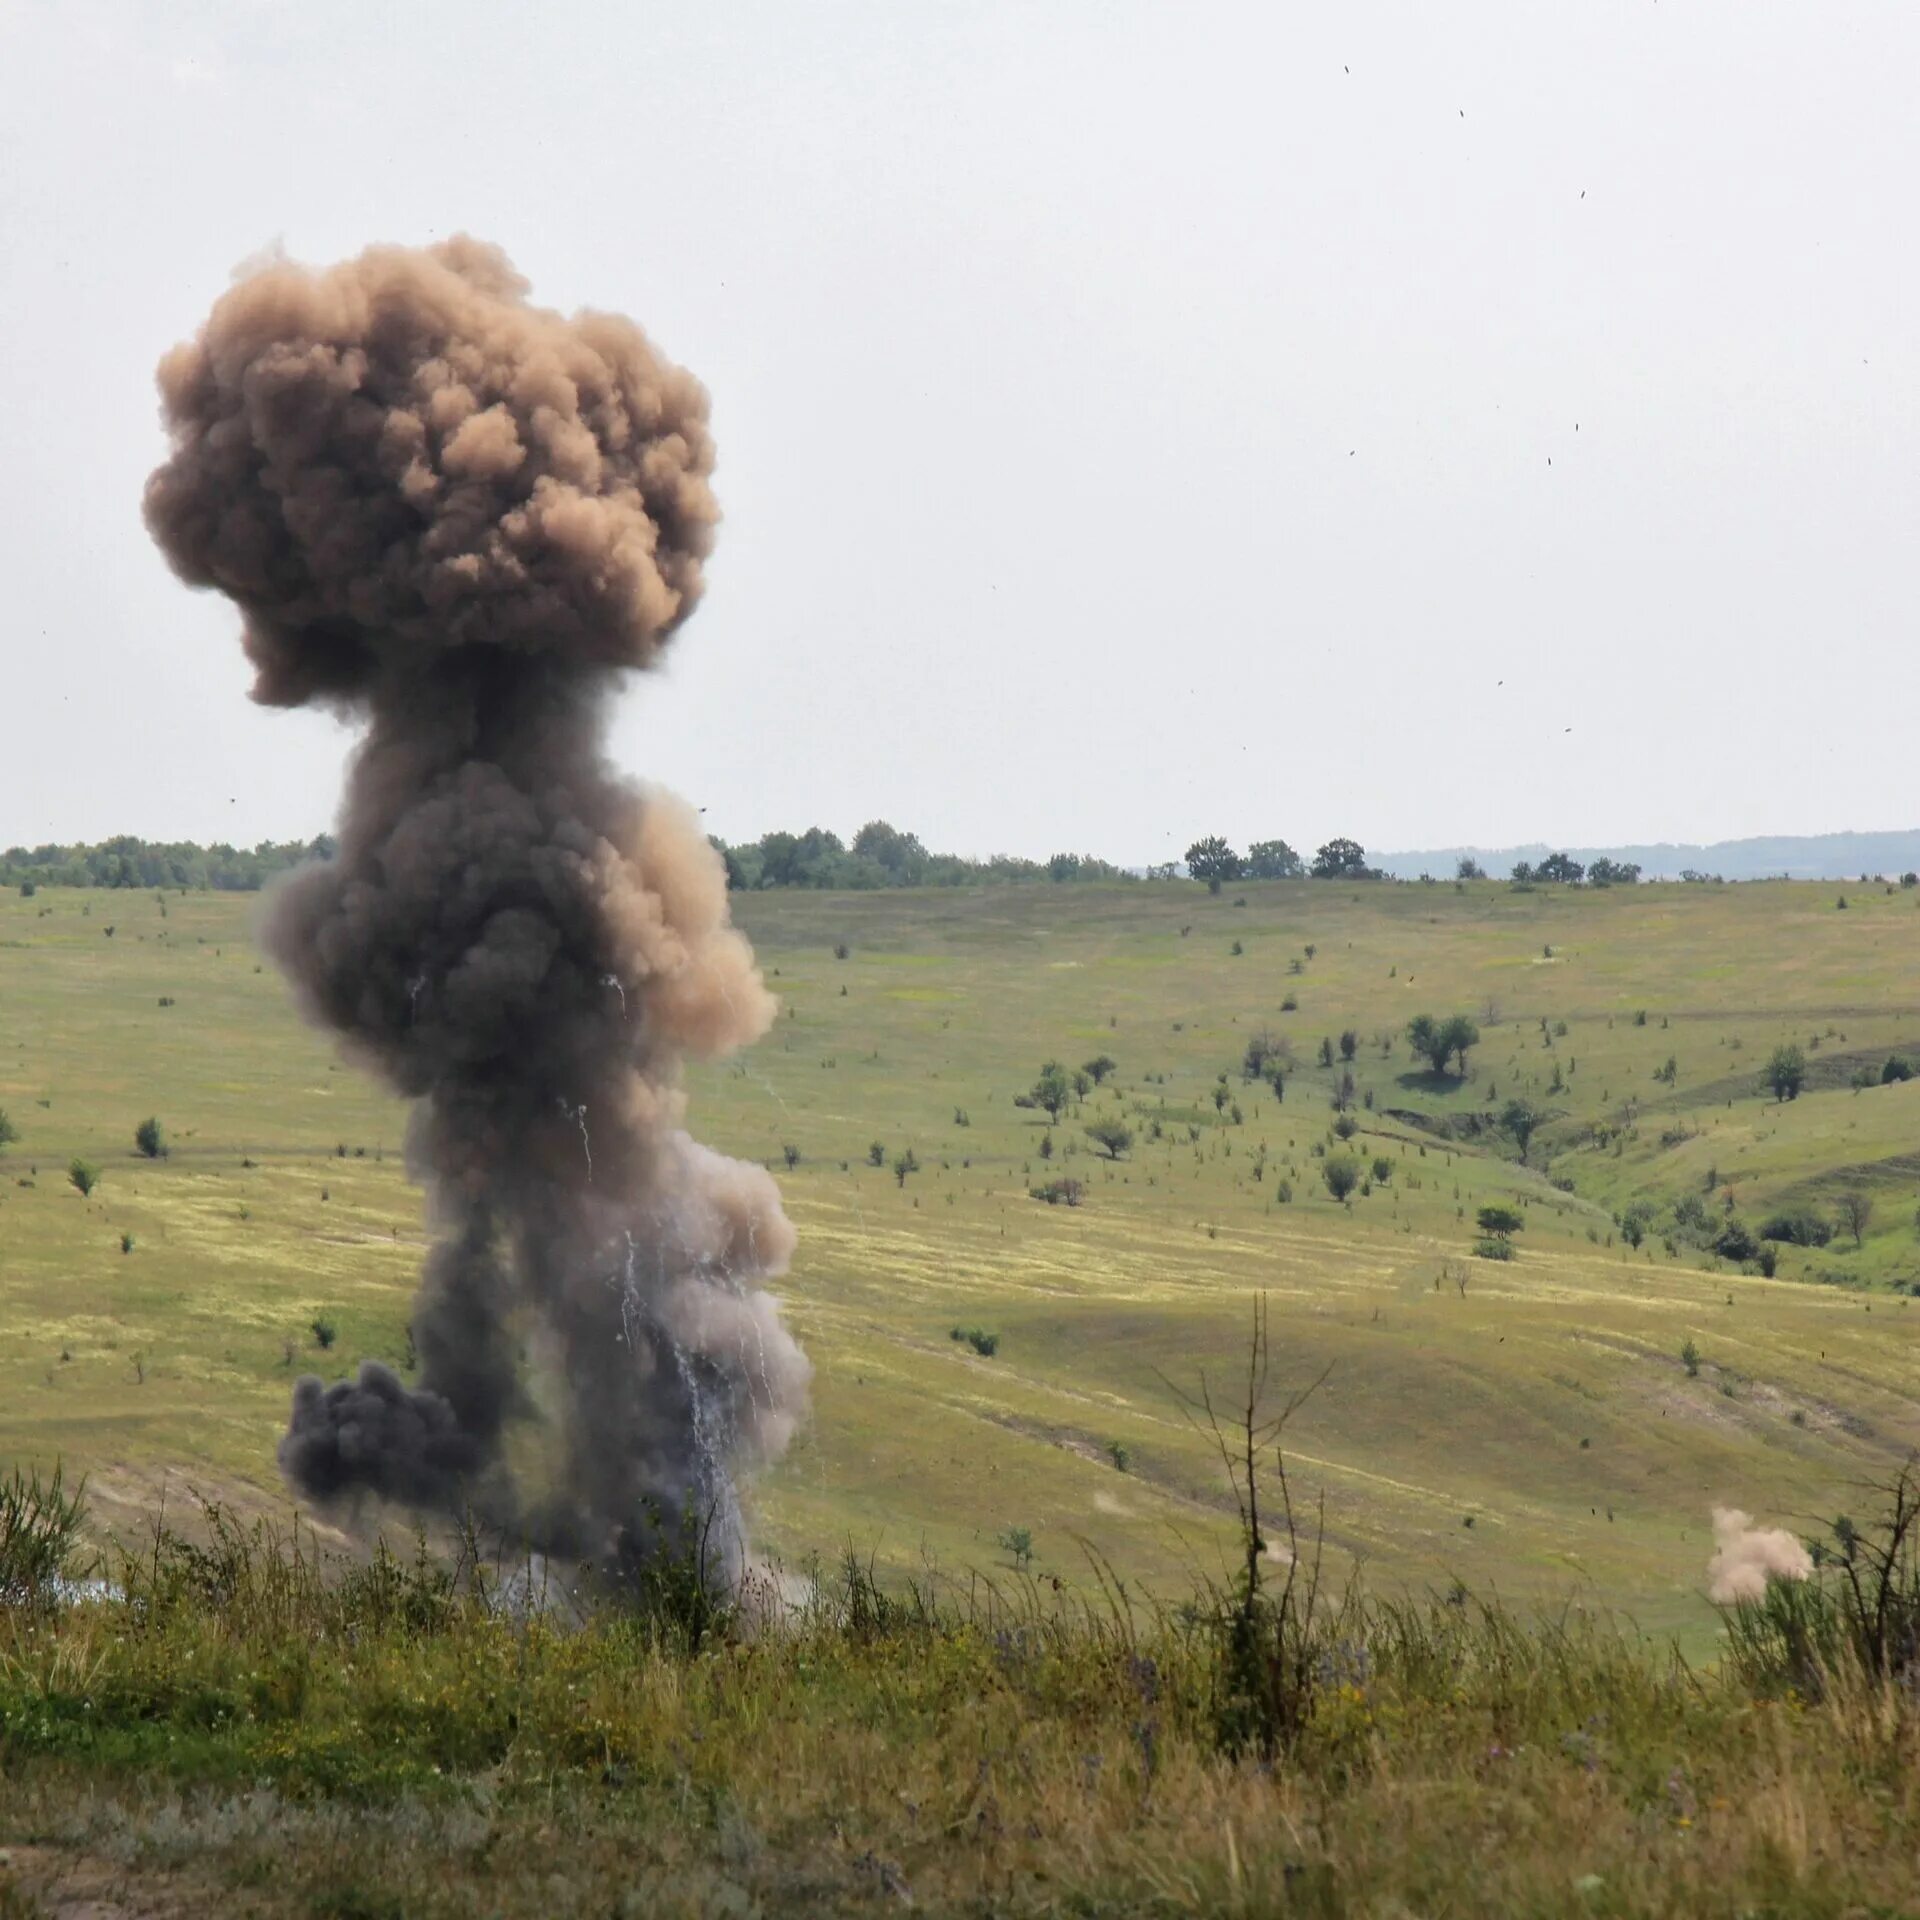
x=1457, y=423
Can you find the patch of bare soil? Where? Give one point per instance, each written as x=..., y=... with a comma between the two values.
x=47, y=1883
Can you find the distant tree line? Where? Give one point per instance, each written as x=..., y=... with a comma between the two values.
x=1216, y=862
x=883, y=855
x=880, y=856
x=128, y=862
x=1559, y=869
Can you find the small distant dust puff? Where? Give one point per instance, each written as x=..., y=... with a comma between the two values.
x=1746, y=1557
x=457, y=517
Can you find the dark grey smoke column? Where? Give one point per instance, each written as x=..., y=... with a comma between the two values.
x=460, y=517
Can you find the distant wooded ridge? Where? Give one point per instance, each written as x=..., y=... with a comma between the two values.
x=127, y=862
x=881, y=855
x=1815, y=856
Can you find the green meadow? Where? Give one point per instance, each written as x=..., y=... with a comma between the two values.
x=1525, y=1427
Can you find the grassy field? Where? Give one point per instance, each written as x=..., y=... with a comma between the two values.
x=1527, y=1428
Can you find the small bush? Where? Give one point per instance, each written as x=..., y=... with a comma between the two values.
x=1346, y=1126
x=1118, y=1453
x=877, y=1154
x=325, y=1333
x=150, y=1137
x=1798, y=1226
x=1690, y=1214
x=1690, y=1358
x=84, y=1175
x=1341, y=1171
x=1059, y=1193
x=1493, y=1248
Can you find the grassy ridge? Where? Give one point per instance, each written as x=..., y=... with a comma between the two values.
x=1443, y=1408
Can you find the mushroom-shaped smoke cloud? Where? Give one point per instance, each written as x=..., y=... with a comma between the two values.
x=457, y=517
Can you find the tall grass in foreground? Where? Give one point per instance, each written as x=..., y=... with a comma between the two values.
x=1858, y=1618
x=42, y=1526
x=240, y=1723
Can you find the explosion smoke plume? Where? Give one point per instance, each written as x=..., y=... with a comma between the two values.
x=1746, y=1557
x=459, y=517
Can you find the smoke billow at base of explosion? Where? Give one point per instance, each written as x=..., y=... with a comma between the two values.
x=457, y=517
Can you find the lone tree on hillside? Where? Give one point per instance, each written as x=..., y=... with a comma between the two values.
x=150, y=1137
x=1342, y=860
x=1050, y=1092
x=1098, y=1068
x=1439, y=1040
x=1501, y=1222
x=1112, y=1137
x=1423, y=1036
x=1341, y=1171
x=1786, y=1071
x=904, y=1163
x=1213, y=861
x=1261, y=1049
x=1856, y=1209
x=84, y=1175
x=1520, y=1118
x=1273, y=860
x=1460, y=1033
